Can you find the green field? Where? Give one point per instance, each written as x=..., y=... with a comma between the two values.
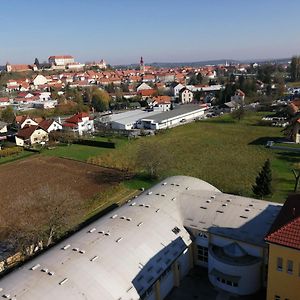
x=221, y=151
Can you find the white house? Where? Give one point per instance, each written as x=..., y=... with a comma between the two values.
x=39, y=80
x=79, y=123
x=143, y=86
x=30, y=135
x=22, y=121
x=50, y=125
x=238, y=97
x=177, y=89
x=185, y=95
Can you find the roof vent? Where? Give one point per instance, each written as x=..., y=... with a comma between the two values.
x=107, y=233
x=82, y=251
x=220, y=211
x=157, y=210
x=228, y=200
x=164, y=183
x=224, y=204
x=187, y=188
x=243, y=217
x=45, y=270
x=177, y=184
x=7, y=296
x=147, y=205
x=51, y=273
x=75, y=249
x=35, y=267
x=173, y=199
x=212, y=197
x=163, y=195
x=142, y=204
x=101, y=231
x=92, y=230
x=251, y=205
x=114, y=216
x=247, y=209
x=133, y=204
x=94, y=258
x=140, y=224
x=203, y=207
x=128, y=219
x=119, y=239
x=66, y=247
x=208, y=201
x=149, y=193
x=123, y=218
x=63, y=281
x=141, y=266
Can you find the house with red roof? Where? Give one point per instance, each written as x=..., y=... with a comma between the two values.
x=284, y=252
x=79, y=123
x=50, y=125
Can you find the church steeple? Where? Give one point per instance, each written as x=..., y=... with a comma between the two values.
x=142, y=66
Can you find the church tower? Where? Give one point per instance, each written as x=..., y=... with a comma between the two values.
x=142, y=66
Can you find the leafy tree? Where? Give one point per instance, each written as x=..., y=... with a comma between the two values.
x=100, y=100
x=263, y=181
x=295, y=68
x=8, y=115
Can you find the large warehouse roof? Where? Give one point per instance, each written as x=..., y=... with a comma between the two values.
x=106, y=259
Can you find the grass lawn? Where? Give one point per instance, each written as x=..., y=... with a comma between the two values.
x=75, y=151
x=14, y=157
x=223, y=152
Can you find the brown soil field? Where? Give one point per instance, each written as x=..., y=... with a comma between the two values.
x=25, y=176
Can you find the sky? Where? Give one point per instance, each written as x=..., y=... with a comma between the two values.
x=121, y=31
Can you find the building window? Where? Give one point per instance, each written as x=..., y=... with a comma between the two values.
x=290, y=267
x=279, y=264
x=202, y=254
x=277, y=297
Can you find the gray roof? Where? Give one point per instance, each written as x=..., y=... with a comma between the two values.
x=175, y=113
x=120, y=255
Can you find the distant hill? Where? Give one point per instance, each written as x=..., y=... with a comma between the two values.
x=208, y=63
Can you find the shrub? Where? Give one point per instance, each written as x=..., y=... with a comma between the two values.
x=10, y=151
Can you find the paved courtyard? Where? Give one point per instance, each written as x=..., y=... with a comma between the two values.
x=197, y=286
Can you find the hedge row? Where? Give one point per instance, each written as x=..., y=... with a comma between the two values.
x=95, y=143
x=10, y=151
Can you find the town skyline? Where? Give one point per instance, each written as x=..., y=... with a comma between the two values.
x=121, y=32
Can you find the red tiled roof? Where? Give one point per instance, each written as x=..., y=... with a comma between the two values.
x=27, y=131
x=77, y=118
x=45, y=124
x=145, y=93
x=288, y=235
x=60, y=56
x=285, y=230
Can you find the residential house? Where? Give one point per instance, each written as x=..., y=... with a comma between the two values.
x=50, y=125
x=39, y=80
x=79, y=123
x=143, y=86
x=18, y=68
x=238, y=97
x=22, y=121
x=30, y=135
x=3, y=130
x=284, y=252
x=4, y=102
x=185, y=95
x=162, y=103
x=177, y=89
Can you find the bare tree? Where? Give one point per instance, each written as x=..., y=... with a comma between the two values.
x=296, y=173
x=40, y=217
x=153, y=158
